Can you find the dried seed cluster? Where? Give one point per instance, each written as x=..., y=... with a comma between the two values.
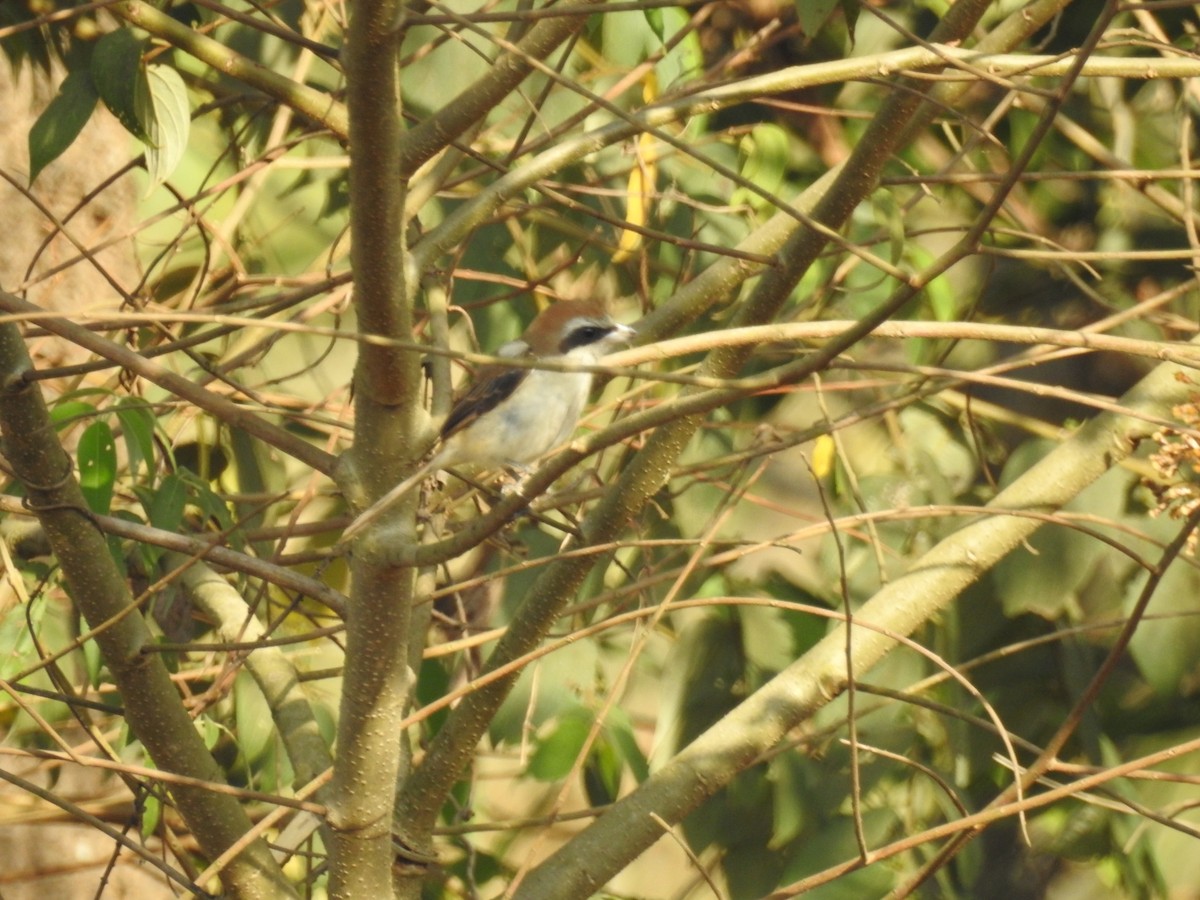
x=1177, y=464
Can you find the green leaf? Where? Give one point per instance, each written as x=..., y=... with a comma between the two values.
x=619, y=731
x=97, y=466
x=785, y=773
x=602, y=774
x=556, y=753
x=165, y=505
x=93, y=662
x=889, y=213
x=209, y=731
x=61, y=121
x=255, y=727
x=137, y=423
x=812, y=15
x=209, y=503
x=118, y=75
x=683, y=60
x=943, y=301
x=1166, y=647
x=1045, y=574
x=850, y=10
x=765, y=152
x=766, y=639
x=654, y=18
x=163, y=109
x=67, y=412
x=16, y=637
x=116, y=549
x=151, y=814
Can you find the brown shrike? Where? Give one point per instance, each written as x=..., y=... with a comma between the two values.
x=512, y=416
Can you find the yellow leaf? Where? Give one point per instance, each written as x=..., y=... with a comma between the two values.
x=637, y=197
x=823, y=455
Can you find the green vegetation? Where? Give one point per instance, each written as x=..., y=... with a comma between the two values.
x=870, y=571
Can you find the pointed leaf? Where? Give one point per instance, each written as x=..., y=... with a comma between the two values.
x=17, y=635
x=850, y=11
x=118, y=75
x=151, y=815
x=1166, y=647
x=654, y=18
x=93, y=662
x=97, y=466
x=68, y=412
x=255, y=727
x=556, y=752
x=165, y=508
x=811, y=15
x=619, y=730
x=137, y=422
x=61, y=121
x=765, y=154
x=163, y=109
x=210, y=504
x=602, y=774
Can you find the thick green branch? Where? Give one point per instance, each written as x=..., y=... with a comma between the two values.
x=690, y=785
x=313, y=104
x=453, y=746
x=807, y=685
x=470, y=215
x=377, y=678
x=270, y=668
x=151, y=702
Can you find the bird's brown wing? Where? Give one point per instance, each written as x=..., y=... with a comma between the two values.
x=491, y=387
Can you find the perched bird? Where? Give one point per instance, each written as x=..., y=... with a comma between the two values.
x=511, y=416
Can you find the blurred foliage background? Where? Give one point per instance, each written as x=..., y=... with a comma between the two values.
x=196, y=214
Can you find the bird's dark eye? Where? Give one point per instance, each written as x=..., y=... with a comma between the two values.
x=583, y=335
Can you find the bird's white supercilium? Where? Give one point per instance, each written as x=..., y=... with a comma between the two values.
x=512, y=416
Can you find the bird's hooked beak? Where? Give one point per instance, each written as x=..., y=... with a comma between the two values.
x=623, y=334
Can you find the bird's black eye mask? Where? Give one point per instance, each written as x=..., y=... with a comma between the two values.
x=584, y=333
